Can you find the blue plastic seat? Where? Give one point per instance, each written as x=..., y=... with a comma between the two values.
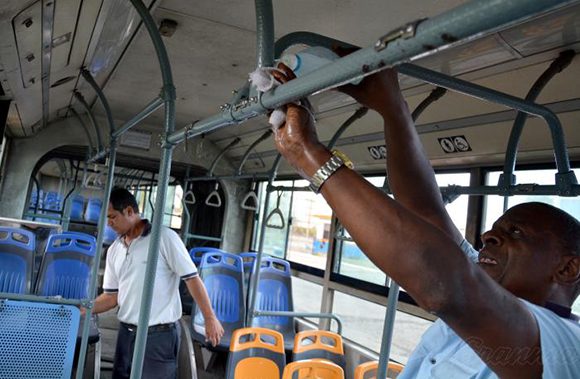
x=37, y=340
x=77, y=208
x=93, y=211
x=17, y=247
x=66, y=266
x=274, y=293
x=223, y=276
x=110, y=235
x=196, y=253
x=249, y=259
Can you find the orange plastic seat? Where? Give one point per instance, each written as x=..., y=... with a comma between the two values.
x=368, y=370
x=313, y=369
x=256, y=353
x=319, y=344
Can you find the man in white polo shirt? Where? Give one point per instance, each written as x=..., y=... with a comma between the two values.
x=123, y=286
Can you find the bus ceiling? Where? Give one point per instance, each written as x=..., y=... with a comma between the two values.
x=112, y=49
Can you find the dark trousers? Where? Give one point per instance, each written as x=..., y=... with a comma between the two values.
x=160, y=353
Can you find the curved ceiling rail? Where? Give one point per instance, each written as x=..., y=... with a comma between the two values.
x=566, y=182
x=565, y=178
x=468, y=21
x=81, y=99
x=167, y=98
x=103, y=215
x=86, y=129
x=558, y=65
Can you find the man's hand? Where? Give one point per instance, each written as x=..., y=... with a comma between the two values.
x=213, y=331
x=377, y=91
x=296, y=139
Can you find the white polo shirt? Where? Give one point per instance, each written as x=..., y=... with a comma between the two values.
x=125, y=274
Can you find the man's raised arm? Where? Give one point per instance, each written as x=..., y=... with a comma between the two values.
x=426, y=261
x=411, y=177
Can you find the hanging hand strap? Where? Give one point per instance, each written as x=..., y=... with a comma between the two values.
x=250, y=201
x=276, y=212
x=214, y=199
x=189, y=198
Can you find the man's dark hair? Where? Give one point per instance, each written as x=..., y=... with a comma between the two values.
x=121, y=199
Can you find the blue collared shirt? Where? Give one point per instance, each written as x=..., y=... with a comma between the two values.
x=442, y=354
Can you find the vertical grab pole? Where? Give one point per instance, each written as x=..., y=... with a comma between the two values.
x=265, y=58
x=95, y=268
x=255, y=278
x=388, y=327
x=168, y=95
x=102, y=218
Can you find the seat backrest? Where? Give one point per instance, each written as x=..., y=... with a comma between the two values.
x=93, y=211
x=77, y=208
x=249, y=259
x=37, y=340
x=368, y=370
x=319, y=344
x=196, y=253
x=222, y=274
x=17, y=248
x=313, y=369
x=66, y=266
x=274, y=293
x=256, y=353
x=110, y=235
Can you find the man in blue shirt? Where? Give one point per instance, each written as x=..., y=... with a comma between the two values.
x=506, y=316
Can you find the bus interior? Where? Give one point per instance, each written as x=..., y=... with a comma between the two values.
x=153, y=96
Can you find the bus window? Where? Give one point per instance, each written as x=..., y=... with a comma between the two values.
x=457, y=209
x=494, y=204
x=275, y=239
x=307, y=296
x=353, y=263
x=310, y=229
x=363, y=323
x=173, y=208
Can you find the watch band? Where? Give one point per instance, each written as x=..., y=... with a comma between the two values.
x=324, y=172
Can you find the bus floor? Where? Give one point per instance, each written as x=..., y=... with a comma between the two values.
x=108, y=328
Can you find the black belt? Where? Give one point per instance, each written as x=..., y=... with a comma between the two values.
x=152, y=328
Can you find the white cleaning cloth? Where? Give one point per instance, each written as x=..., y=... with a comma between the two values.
x=264, y=81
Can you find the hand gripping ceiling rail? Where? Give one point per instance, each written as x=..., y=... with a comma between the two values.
x=465, y=22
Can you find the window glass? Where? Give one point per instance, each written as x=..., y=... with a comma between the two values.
x=352, y=262
x=363, y=323
x=458, y=208
x=307, y=296
x=310, y=228
x=173, y=205
x=276, y=230
x=494, y=204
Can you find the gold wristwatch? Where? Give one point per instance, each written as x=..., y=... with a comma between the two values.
x=321, y=175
